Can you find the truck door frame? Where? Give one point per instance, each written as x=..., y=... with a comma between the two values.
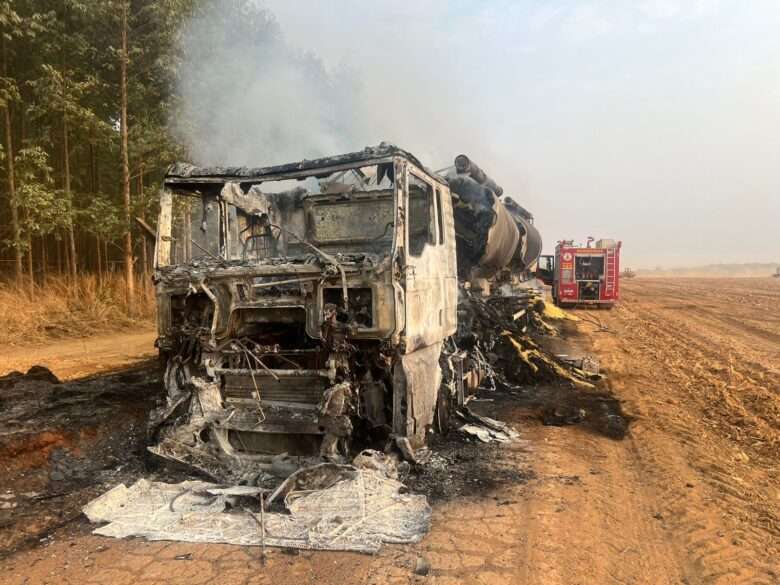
x=424, y=277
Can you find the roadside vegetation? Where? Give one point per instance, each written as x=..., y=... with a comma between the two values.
x=86, y=92
x=61, y=307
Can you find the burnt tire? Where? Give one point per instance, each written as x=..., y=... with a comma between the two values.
x=443, y=413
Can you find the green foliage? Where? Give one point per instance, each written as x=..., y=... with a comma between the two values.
x=10, y=21
x=59, y=95
x=9, y=91
x=102, y=218
x=59, y=79
x=44, y=208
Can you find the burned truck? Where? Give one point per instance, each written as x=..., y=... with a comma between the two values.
x=304, y=306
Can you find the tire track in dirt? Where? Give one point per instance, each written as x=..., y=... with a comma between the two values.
x=710, y=546
x=716, y=506
x=713, y=318
x=737, y=293
x=717, y=319
x=696, y=360
x=584, y=519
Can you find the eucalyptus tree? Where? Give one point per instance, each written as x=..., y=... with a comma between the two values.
x=87, y=89
x=44, y=210
x=11, y=27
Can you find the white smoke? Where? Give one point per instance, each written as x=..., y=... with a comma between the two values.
x=249, y=97
x=606, y=118
x=246, y=96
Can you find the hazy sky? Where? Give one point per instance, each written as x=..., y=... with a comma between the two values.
x=654, y=122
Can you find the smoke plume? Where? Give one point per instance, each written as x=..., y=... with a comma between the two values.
x=249, y=97
x=614, y=119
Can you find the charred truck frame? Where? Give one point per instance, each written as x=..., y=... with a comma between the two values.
x=301, y=304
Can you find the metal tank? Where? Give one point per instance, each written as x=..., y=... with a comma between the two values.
x=530, y=247
x=491, y=234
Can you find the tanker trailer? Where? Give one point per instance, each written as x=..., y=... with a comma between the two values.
x=491, y=234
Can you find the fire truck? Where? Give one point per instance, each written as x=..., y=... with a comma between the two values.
x=583, y=275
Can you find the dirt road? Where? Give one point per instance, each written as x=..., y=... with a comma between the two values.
x=690, y=496
x=75, y=358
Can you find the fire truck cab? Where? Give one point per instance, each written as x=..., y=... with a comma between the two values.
x=583, y=275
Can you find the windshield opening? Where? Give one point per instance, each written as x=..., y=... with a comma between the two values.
x=195, y=228
x=348, y=212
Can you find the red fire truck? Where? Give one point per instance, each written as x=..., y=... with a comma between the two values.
x=583, y=275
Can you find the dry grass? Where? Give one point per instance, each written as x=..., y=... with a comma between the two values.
x=62, y=308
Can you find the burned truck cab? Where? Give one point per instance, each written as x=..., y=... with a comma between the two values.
x=302, y=305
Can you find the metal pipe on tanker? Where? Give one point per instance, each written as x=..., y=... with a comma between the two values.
x=465, y=166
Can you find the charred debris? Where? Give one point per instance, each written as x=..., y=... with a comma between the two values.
x=310, y=310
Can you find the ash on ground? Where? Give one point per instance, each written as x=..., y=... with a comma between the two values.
x=462, y=466
x=64, y=444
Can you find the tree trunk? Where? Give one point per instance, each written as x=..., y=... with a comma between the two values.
x=144, y=248
x=99, y=262
x=145, y=257
x=92, y=185
x=59, y=256
x=29, y=255
x=9, y=152
x=68, y=195
x=28, y=225
x=66, y=255
x=30, y=264
x=44, y=261
x=128, y=237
